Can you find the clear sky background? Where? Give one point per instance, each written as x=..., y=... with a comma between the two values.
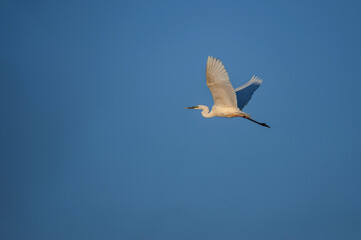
x=96, y=144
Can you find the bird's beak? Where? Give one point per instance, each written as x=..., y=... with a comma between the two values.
x=190, y=107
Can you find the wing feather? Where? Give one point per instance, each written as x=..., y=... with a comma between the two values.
x=244, y=93
x=218, y=83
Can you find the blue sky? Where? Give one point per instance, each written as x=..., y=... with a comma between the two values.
x=96, y=144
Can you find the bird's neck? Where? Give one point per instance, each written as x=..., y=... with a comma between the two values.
x=205, y=111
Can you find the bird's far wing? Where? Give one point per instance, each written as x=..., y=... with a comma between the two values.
x=219, y=84
x=245, y=92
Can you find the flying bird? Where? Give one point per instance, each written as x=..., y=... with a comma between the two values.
x=228, y=102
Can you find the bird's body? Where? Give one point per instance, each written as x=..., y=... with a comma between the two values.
x=228, y=102
x=220, y=111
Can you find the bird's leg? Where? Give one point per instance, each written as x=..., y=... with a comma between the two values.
x=262, y=124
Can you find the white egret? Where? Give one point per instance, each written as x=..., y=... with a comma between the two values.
x=228, y=102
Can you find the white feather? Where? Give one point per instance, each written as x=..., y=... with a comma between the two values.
x=218, y=83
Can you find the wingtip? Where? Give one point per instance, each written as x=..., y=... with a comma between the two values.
x=256, y=80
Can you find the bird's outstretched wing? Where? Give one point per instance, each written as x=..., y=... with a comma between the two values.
x=245, y=92
x=219, y=84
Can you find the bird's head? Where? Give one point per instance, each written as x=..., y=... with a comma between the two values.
x=205, y=110
x=194, y=107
